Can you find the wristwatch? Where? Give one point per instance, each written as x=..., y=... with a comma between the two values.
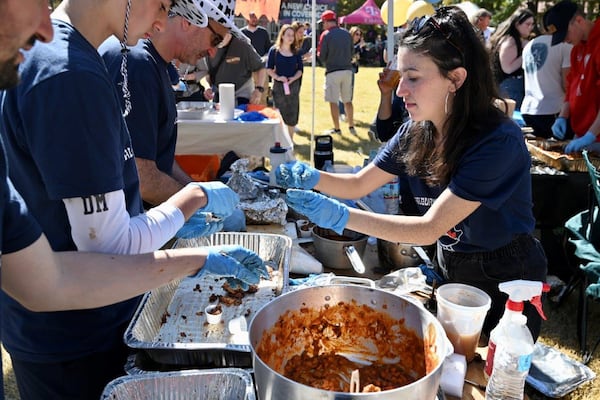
x=260, y=88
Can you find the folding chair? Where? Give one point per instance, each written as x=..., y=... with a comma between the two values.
x=583, y=230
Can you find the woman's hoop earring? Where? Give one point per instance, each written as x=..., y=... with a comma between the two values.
x=446, y=103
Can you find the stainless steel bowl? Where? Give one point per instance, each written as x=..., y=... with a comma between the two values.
x=273, y=385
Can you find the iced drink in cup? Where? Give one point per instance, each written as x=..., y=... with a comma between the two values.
x=461, y=309
x=390, y=76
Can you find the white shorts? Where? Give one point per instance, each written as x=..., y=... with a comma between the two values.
x=338, y=86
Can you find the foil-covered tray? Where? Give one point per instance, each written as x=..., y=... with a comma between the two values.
x=213, y=384
x=554, y=374
x=170, y=324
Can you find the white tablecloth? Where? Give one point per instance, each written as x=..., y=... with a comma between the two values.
x=213, y=136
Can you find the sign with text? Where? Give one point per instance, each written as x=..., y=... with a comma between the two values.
x=301, y=10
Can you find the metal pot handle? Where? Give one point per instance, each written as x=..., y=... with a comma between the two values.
x=352, y=280
x=355, y=259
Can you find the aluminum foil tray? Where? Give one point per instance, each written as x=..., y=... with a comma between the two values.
x=170, y=324
x=215, y=384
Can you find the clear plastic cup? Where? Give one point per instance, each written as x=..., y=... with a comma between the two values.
x=391, y=75
x=461, y=309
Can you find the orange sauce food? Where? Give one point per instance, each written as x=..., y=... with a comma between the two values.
x=320, y=347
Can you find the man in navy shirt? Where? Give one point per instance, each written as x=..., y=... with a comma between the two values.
x=152, y=119
x=259, y=37
x=261, y=41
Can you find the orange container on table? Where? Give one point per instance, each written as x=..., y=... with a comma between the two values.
x=201, y=167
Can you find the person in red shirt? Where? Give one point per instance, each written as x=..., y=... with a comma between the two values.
x=566, y=21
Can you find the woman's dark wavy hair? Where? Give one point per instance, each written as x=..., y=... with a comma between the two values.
x=472, y=112
x=509, y=27
x=505, y=29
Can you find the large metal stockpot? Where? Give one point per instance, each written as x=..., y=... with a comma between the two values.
x=272, y=385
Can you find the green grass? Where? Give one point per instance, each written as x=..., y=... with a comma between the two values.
x=348, y=149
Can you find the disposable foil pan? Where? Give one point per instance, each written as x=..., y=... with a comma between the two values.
x=554, y=374
x=170, y=325
x=213, y=384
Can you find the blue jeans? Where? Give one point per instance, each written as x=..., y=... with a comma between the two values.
x=513, y=88
x=523, y=258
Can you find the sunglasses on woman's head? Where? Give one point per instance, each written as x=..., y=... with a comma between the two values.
x=419, y=23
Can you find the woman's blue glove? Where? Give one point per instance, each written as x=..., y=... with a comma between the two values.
x=326, y=212
x=234, y=261
x=297, y=175
x=222, y=200
x=579, y=143
x=200, y=224
x=559, y=128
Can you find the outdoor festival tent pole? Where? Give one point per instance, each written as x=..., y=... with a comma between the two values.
x=390, y=31
x=314, y=75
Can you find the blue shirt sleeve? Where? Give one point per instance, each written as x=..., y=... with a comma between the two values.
x=74, y=141
x=490, y=171
x=19, y=228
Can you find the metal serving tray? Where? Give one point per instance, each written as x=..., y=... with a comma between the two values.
x=562, y=162
x=170, y=324
x=215, y=384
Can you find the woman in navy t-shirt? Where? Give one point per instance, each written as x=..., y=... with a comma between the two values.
x=463, y=163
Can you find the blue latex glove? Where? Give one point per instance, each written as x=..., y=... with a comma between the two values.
x=297, y=175
x=578, y=144
x=559, y=128
x=326, y=212
x=431, y=275
x=222, y=200
x=200, y=224
x=234, y=262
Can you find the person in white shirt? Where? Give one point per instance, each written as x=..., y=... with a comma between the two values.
x=546, y=68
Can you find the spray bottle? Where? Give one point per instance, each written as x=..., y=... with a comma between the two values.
x=511, y=344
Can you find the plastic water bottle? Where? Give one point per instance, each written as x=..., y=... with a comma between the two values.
x=277, y=156
x=391, y=196
x=512, y=360
x=518, y=292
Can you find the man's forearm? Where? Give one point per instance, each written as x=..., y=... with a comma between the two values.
x=260, y=77
x=155, y=185
x=179, y=174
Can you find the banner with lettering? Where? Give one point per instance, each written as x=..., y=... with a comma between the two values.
x=268, y=8
x=301, y=10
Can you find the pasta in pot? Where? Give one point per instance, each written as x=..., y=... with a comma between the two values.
x=321, y=347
